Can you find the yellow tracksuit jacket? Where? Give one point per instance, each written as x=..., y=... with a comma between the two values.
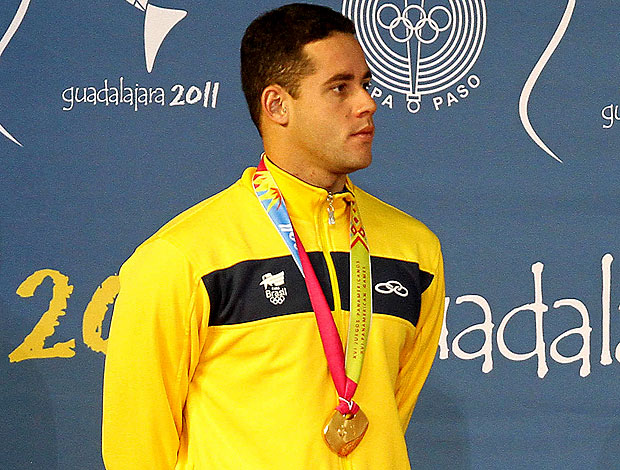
x=208, y=368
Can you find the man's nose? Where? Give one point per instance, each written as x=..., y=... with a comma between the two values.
x=366, y=104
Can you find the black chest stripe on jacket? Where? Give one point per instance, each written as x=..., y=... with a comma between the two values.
x=397, y=285
x=263, y=288
x=257, y=289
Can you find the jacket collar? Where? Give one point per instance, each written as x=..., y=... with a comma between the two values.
x=303, y=200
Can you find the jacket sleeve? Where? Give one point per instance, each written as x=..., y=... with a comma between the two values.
x=153, y=349
x=418, y=355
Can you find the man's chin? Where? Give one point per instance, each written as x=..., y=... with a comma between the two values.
x=359, y=162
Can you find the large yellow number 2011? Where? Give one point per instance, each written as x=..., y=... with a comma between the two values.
x=33, y=346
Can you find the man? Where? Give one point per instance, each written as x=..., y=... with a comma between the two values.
x=227, y=344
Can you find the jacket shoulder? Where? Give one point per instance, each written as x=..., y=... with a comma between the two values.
x=210, y=226
x=217, y=209
x=392, y=233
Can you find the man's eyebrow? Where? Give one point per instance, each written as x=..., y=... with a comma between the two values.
x=343, y=77
x=340, y=77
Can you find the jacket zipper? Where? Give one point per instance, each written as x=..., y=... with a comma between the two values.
x=331, y=269
x=331, y=218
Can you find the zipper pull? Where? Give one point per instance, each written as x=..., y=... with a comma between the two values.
x=331, y=218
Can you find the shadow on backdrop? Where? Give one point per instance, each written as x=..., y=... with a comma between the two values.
x=27, y=424
x=437, y=435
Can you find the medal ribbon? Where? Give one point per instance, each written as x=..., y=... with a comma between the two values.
x=345, y=372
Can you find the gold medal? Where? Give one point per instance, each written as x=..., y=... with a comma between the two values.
x=344, y=432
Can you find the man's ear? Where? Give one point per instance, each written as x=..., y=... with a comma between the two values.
x=274, y=101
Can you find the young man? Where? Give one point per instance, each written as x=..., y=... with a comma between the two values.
x=241, y=337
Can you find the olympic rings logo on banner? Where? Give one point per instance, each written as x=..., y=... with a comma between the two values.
x=392, y=287
x=420, y=49
x=424, y=20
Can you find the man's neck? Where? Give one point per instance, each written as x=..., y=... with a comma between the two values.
x=322, y=179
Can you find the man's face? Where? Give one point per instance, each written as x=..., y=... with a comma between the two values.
x=330, y=121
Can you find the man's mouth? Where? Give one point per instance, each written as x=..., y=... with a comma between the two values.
x=366, y=132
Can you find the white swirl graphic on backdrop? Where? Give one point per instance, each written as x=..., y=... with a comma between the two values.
x=158, y=22
x=6, y=38
x=536, y=71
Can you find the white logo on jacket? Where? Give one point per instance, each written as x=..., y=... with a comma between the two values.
x=274, y=287
x=392, y=287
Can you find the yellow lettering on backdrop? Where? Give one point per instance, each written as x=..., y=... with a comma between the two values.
x=33, y=346
x=95, y=314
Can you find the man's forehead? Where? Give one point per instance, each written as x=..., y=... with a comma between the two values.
x=337, y=54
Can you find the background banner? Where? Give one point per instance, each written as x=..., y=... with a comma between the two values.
x=497, y=126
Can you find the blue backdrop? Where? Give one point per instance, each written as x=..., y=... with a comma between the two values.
x=497, y=127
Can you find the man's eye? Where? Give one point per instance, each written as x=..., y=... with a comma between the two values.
x=339, y=88
x=366, y=86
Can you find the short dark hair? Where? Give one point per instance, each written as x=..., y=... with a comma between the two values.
x=272, y=48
